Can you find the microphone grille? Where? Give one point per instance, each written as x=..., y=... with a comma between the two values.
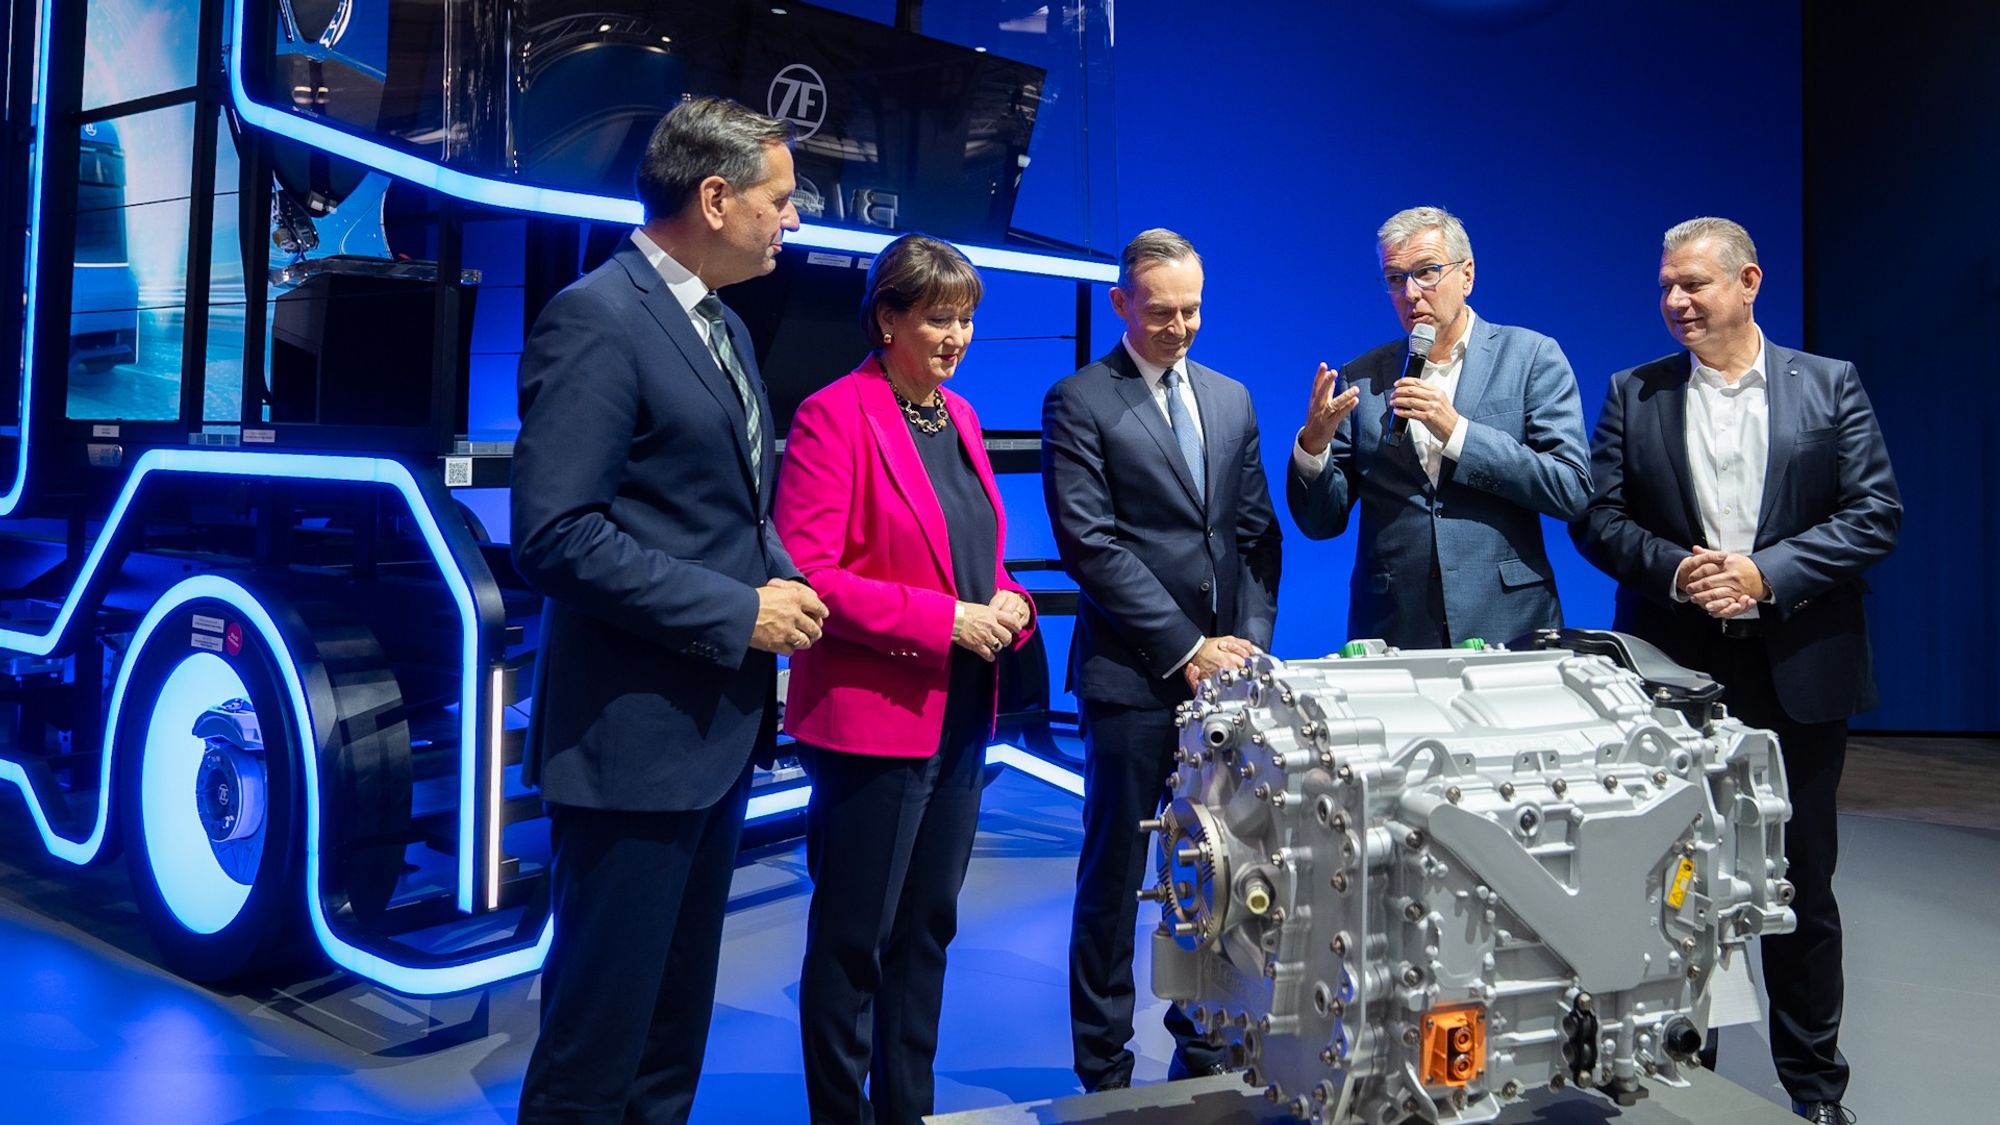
x=1421, y=339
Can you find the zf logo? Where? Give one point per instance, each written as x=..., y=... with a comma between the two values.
x=798, y=95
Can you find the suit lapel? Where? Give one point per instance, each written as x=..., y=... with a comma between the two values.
x=667, y=312
x=1139, y=399
x=1475, y=383
x=906, y=466
x=1673, y=391
x=1782, y=409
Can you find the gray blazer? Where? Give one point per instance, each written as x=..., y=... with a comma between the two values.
x=1524, y=457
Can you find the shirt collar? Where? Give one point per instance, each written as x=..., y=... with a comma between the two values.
x=681, y=281
x=1464, y=338
x=1752, y=377
x=1152, y=372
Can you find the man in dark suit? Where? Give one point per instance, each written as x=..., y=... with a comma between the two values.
x=1742, y=489
x=1156, y=491
x=641, y=496
x=1454, y=469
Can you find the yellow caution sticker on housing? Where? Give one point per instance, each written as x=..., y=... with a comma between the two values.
x=1683, y=875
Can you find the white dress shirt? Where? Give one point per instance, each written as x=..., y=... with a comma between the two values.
x=1156, y=382
x=1728, y=444
x=1429, y=450
x=681, y=282
x=1155, y=377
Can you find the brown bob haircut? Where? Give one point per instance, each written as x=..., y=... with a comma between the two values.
x=917, y=271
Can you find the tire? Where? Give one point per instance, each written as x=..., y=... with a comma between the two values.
x=211, y=800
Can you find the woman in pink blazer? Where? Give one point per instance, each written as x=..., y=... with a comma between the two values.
x=887, y=504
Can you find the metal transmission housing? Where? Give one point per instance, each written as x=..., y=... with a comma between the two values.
x=1408, y=885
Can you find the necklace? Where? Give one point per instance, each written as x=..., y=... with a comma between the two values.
x=925, y=423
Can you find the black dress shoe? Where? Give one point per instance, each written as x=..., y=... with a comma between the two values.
x=1117, y=1082
x=1176, y=1070
x=1824, y=1113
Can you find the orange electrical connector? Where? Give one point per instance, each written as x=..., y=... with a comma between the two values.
x=1454, y=1046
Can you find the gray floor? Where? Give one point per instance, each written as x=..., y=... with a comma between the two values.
x=91, y=1031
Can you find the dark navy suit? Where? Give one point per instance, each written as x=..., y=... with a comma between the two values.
x=1463, y=558
x=634, y=512
x=1158, y=570
x=1830, y=510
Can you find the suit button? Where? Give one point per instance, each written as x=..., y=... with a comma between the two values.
x=1211, y=533
x=1204, y=587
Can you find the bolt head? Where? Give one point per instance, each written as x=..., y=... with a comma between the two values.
x=1410, y=1037
x=1507, y=790
x=1414, y=840
x=1453, y=795
x=1339, y=881
x=1559, y=786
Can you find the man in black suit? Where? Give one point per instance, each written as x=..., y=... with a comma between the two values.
x=1741, y=490
x=641, y=497
x=1156, y=491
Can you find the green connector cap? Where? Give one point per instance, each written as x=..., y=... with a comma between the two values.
x=1354, y=648
x=1476, y=644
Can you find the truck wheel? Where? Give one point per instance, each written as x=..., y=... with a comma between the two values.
x=205, y=734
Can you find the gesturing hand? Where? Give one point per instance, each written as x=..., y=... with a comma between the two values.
x=789, y=617
x=1326, y=410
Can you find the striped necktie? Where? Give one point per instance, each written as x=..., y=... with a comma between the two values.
x=710, y=308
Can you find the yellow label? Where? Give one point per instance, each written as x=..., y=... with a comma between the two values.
x=1683, y=875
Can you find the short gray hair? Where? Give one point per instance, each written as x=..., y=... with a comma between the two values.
x=1155, y=245
x=704, y=137
x=1405, y=225
x=1732, y=243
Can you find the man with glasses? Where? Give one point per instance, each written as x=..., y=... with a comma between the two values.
x=1453, y=467
x=1742, y=489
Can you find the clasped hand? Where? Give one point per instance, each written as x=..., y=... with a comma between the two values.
x=1722, y=584
x=789, y=617
x=1215, y=654
x=987, y=630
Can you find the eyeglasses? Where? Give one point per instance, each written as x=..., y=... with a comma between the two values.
x=1426, y=277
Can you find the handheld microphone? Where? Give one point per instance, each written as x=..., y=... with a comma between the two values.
x=1421, y=339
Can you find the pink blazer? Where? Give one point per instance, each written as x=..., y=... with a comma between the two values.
x=856, y=510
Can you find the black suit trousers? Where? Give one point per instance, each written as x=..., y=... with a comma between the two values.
x=888, y=841
x=630, y=981
x=1802, y=969
x=1128, y=754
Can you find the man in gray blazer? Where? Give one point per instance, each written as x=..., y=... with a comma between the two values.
x=1451, y=499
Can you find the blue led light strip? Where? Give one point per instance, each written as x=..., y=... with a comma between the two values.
x=516, y=196
x=292, y=466
x=36, y=189
x=413, y=980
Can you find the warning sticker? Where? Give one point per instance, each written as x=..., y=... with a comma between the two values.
x=206, y=641
x=1683, y=875
x=207, y=624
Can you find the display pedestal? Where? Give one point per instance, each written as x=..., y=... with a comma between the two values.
x=1225, y=1100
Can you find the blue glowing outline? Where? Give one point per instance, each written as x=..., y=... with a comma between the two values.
x=36, y=189
x=514, y=196
x=408, y=979
x=293, y=466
